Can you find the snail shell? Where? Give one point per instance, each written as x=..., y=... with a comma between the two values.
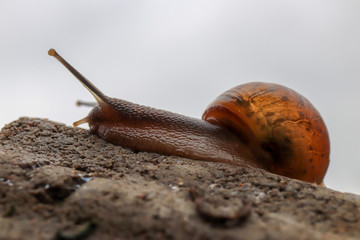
x=281, y=122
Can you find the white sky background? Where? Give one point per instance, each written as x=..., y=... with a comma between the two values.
x=180, y=55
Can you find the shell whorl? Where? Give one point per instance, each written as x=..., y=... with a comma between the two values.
x=273, y=118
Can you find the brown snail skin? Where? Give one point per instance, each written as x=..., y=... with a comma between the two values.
x=263, y=125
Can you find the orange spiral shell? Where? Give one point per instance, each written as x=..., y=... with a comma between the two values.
x=275, y=119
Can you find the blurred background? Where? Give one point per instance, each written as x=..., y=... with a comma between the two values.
x=179, y=56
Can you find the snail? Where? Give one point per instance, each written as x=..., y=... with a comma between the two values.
x=264, y=125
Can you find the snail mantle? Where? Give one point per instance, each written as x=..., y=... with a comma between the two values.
x=60, y=182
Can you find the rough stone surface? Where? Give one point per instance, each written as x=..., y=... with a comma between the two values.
x=59, y=182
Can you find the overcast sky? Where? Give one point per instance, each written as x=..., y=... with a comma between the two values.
x=180, y=55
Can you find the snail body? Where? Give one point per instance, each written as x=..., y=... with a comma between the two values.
x=264, y=125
